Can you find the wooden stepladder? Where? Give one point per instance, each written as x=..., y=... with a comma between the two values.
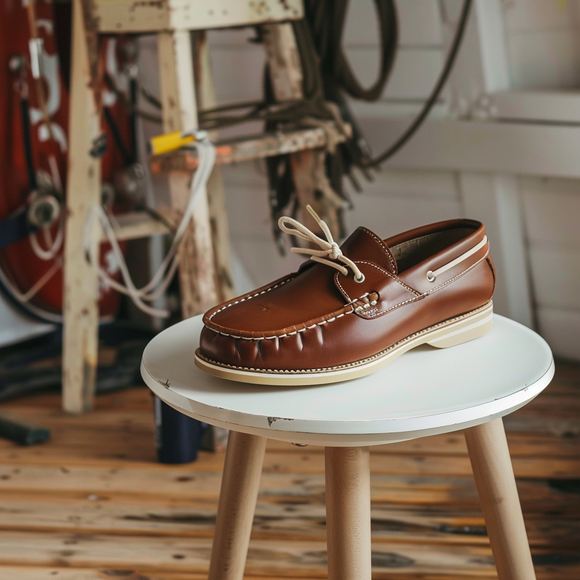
x=204, y=262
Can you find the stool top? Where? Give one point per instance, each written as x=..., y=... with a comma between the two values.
x=423, y=392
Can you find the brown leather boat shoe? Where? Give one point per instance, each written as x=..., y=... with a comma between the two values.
x=350, y=310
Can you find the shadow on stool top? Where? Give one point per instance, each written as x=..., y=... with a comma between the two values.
x=424, y=392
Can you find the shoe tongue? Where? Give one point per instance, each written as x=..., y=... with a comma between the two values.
x=363, y=244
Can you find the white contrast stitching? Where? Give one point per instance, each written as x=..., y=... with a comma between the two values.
x=460, y=274
x=392, y=276
x=250, y=297
x=295, y=331
x=383, y=271
x=384, y=246
x=381, y=312
x=352, y=364
x=399, y=304
x=336, y=279
x=432, y=274
x=255, y=338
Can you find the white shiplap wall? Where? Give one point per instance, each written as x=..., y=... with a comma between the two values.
x=552, y=209
x=543, y=39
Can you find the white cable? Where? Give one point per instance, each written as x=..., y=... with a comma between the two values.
x=28, y=306
x=137, y=295
x=162, y=278
x=53, y=246
x=26, y=296
x=55, y=173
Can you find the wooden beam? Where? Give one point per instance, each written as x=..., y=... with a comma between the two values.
x=83, y=192
x=215, y=187
x=196, y=264
x=136, y=225
x=244, y=149
x=117, y=16
x=284, y=61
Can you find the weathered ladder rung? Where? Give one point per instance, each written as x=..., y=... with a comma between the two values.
x=137, y=224
x=243, y=149
x=115, y=16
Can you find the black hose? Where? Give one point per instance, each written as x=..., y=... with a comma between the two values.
x=127, y=157
x=430, y=102
x=27, y=142
x=327, y=74
x=133, y=119
x=321, y=48
x=326, y=19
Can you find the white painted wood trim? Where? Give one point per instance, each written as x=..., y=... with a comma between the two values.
x=483, y=67
x=482, y=63
x=495, y=200
x=539, y=106
x=494, y=147
x=493, y=53
x=136, y=225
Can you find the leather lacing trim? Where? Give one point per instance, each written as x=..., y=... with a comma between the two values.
x=432, y=274
x=346, y=365
x=436, y=289
x=443, y=284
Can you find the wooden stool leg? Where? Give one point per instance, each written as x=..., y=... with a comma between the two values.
x=238, y=496
x=496, y=485
x=348, y=513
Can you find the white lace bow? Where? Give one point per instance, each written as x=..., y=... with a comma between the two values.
x=329, y=253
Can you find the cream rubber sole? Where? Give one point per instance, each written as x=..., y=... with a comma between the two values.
x=443, y=335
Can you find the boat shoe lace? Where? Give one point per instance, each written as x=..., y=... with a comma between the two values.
x=329, y=252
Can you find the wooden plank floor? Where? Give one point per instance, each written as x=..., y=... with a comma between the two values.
x=93, y=503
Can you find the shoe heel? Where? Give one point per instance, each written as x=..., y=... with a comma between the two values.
x=464, y=331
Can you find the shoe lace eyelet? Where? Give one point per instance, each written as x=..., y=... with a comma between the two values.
x=430, y=276
x=360, y=280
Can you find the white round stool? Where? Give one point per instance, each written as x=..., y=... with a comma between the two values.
x=424, y=392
